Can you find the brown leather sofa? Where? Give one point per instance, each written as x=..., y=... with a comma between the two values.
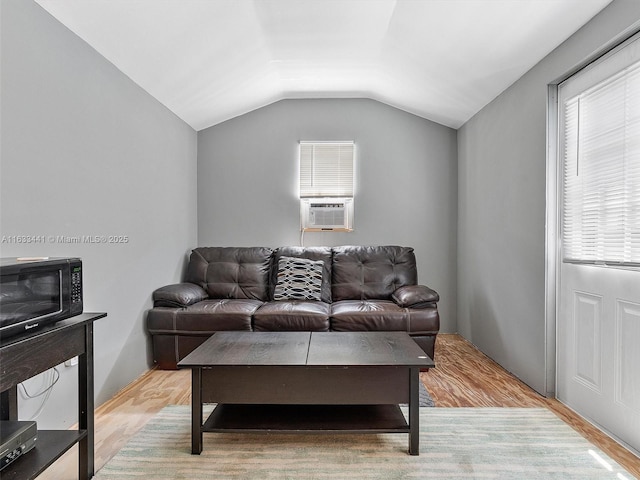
x=362, y=288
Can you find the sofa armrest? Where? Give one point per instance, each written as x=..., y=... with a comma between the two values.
x=178, y=295
x=415, y=296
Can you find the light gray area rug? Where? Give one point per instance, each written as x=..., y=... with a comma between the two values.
x=455, y=443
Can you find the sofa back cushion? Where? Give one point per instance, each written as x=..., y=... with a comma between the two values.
x=231, y=272
x=364, y=273
x=309, y=253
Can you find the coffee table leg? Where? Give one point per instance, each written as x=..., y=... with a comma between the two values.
x=414, y=412
x=196, y=411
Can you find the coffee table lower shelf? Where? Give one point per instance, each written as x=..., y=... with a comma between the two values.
x=306, y=419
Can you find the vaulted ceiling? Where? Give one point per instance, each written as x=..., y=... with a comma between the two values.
x=211, y=60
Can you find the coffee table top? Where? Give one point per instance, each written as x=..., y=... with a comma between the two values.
x=322, y=349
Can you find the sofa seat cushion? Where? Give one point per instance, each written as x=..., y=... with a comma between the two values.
x=210, y=316
x=374, y=315
x=292, y=315
x=380, y=315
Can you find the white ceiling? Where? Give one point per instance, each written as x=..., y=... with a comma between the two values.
x=211, y=60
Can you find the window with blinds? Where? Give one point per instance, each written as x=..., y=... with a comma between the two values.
x=326, y=169
x=600, y=141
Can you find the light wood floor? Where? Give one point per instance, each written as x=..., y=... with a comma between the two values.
x=464, y=377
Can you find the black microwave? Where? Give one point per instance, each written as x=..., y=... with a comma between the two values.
x=38, y=291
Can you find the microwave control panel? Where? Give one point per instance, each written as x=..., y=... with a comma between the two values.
x=76, y=284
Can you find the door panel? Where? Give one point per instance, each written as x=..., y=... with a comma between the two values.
x=599, y=347
x=628, y=355
x=587, y=338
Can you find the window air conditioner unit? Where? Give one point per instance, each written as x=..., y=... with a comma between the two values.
x=326, y=214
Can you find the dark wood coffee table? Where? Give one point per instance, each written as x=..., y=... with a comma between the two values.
x=306, y=382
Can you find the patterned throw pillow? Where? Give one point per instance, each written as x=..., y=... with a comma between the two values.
x=298, y=279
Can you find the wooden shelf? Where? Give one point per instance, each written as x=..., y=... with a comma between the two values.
x=50, y=445
x=307, y=419
x=31, y=353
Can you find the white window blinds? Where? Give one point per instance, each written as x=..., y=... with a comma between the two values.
x=600, y=143
x=326, y=169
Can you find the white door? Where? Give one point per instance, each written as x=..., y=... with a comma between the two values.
x=598, y=321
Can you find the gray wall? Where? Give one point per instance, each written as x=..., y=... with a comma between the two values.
x=406, y=182
x=502, y=207
x=85, y=151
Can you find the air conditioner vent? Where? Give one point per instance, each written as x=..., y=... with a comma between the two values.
x=326, y=214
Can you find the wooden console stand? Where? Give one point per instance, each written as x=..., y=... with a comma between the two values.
x=24, y=356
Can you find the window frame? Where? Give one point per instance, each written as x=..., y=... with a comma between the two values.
x=584, y=86
x=313, y=179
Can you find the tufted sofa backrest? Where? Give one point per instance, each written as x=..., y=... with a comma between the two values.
x=231, y=272
x=362, y=273
x=350, y=272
